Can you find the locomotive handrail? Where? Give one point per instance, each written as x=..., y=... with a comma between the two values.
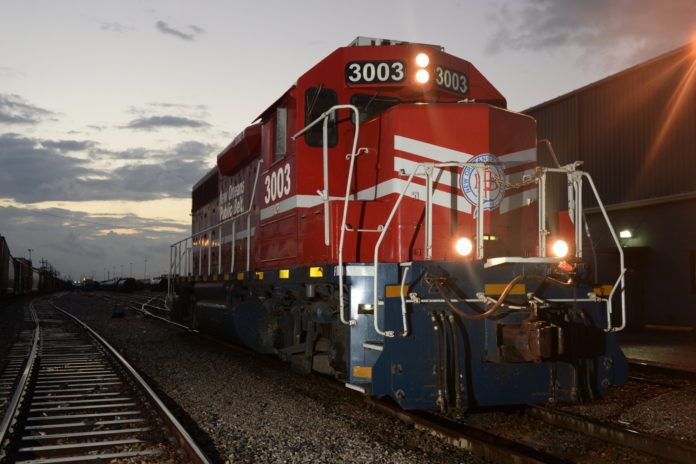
x=175, y=254
x=325, y=193
x=427, y=168
x=622, y=276
x=575, y=205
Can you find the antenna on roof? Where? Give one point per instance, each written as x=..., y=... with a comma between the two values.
x=361, y=41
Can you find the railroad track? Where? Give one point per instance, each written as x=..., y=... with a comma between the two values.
x=491, y=446
x=662, y=448
x=76, y=400
x=146, y=305
x=660, y=374
x=154, y=311
x=12, y=364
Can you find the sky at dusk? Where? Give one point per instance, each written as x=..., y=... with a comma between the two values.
x=111, y=111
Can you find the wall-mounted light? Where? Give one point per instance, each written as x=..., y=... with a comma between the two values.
x=625, y=234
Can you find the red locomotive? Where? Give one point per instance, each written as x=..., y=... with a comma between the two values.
x=385, y=221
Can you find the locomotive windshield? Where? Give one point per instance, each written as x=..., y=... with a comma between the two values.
x=372, y=105
x=318, y=100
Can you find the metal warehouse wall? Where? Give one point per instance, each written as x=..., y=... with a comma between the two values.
x=661, y=284
x=635, y=131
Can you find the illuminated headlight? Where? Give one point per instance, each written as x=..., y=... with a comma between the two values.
x=560, y=248
x=463, y=246
x=422, y=60
x=422, y=76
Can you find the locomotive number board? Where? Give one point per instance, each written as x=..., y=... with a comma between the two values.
x=375, y=72
x=451, y=80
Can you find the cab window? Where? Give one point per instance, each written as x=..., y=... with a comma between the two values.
x=280, y=134
x=317, y=101
x=371, y=105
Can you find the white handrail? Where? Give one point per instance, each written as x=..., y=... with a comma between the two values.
x=176, y=255
x=404, y=315
x=480, y=208
x=575, y=190
x=622, y=278
x=397, y=203
x=325, y=193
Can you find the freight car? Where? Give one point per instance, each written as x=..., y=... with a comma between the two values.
x=384, y=221
x=7, y=269
x=121, y=284
x=19, y=277
x=24, y=276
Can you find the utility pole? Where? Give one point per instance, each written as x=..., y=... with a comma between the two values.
x=145, y=270
x=30, y=250
x=131, y=270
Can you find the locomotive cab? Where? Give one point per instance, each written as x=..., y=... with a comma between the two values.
x=385, y=222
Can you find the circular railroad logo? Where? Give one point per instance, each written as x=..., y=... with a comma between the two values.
x=493, y=189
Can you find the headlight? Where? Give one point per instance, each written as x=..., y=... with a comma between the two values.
x=422, y=76
x=463, y=246
x=560, y=248
x=422, y=60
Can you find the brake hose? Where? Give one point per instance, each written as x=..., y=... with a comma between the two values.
x=508, y=288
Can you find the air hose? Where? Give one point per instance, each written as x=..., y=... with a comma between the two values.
x=508, y=288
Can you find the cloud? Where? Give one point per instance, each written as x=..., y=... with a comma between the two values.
x=79, y=243
x=6, y=71
x=165, y=178
x=36, y=170
x=182, y=106
x=32, y=171
x=158, y=122
x=127, y=154
x=69, y=145
x=190, y=150
x=165, y=28
x=16, y=110
x=114, y=27
x=639, y=29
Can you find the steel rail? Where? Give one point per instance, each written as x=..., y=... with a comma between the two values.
x=185, y=441
x=17, y=397
x=133, y=304
x=477, y=441
x=490, y=446
x=661, y=368
x=623, y=436
x=474, y=440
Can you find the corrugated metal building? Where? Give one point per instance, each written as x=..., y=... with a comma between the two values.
x=635, y=131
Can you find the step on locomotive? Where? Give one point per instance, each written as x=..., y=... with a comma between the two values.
x=386, y=221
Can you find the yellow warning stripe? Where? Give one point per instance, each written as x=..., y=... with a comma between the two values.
x=394, y=291
x=364, y=372
x=497, y=289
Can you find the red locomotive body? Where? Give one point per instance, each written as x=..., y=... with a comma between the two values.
x=375, y=222
x=398, y=130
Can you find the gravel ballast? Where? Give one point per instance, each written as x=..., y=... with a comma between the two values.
x=252, y=408
x=244, y=407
